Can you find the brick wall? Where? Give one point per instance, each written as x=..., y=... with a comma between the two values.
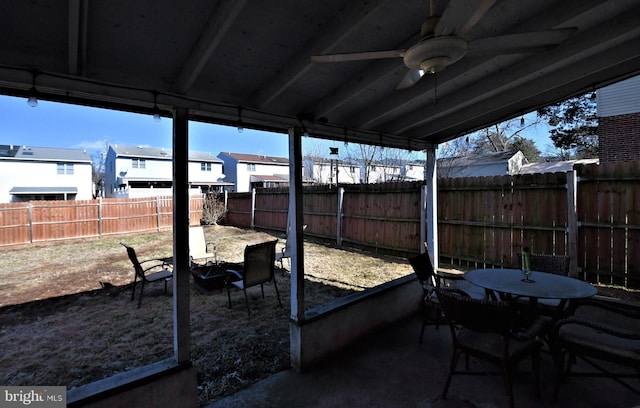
x=619, y=138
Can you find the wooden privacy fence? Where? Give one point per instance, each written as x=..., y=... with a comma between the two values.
x=591, y=214
x=39, y=221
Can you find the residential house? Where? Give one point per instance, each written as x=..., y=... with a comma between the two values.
x=618, y=109
x=378, y=172
x=44, y=173
x=138, y=171
x=413, y=171
x=491, y=164
x=327, y=171
x=248, y=171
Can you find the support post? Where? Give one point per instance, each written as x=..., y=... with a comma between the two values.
x=572, y=222
x=339, y=217
x=295, y=222
x=295, y=238
x=431, y=218
x=253, y=208
x=181, y=302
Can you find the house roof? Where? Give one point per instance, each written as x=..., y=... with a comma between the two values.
x=554, y=166
x=160, y=153
x=269, y=177
x=481, y=159
x=256, y=158
x=33, y=153
x=248, y=63
x=43, y=190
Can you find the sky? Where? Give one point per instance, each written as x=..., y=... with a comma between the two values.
x=52, y=124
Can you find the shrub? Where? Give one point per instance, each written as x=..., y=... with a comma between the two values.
x=213, y=210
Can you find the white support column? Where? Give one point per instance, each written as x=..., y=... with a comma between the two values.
x=181, y=302
x=431, y=218
x=295, y=222
x=572, y=222
x=339, y=216
x=253, y=208
x=296, y=219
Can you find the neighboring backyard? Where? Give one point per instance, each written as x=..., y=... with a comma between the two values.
x=66, y=317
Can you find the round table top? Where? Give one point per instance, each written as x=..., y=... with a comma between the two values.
x=544, y=285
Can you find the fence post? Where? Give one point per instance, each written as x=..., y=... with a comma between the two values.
x=423, y=216
x=572, y=222
x=100, y=216
x=30, y=212
x=253, y=208
x=158, y=212
x=339, y=216
x=226, y=205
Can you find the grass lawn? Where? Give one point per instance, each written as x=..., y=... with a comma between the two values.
x=66, y=317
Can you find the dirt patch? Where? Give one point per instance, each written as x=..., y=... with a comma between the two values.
x=66, y=316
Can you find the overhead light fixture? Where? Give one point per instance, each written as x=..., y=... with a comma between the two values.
x=156, y=110
x=32, y=100
x=240, y=124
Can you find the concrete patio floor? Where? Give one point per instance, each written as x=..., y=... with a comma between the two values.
x=390, y=369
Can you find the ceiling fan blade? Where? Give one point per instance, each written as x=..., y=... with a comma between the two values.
x=519, y=43
x=460, y=16
x=410, y=78
x=358, y=56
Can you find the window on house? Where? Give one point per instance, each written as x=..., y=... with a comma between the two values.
x=138, y=163
x=251, y=167
x=352, y=169
x=205, y=166
x=65, y=168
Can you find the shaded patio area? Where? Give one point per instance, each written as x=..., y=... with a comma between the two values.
x=390, y=369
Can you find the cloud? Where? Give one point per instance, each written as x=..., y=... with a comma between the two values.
x=91, y=145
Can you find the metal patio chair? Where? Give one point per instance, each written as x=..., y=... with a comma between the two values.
x=485, y=330
x=150, y=270
x=257, y=269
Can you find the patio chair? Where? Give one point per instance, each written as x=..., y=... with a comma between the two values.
x=285, y=253
x=484, y=329
x=556, y=264
x=423, y=269
x=603, y=334
x=257, y=269
x=201, y=251
x=150, y=270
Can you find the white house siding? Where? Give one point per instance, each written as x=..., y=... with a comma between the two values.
x=36, y=168
x=239, y=167
x=43, y=174
x=414, y=172
x=243, y=183
x=199, y=176
x=347, y=174
x=124, y=176
x=621, y=98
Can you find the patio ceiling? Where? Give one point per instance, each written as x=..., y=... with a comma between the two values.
x=248, y=61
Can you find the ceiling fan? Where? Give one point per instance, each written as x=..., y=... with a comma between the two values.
x=436, y=50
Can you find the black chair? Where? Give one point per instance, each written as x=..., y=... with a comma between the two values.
x=603, y=334
x=557, y=264
x=423, y=269
x=150, y=270
x=485, y=330
x=257, y=269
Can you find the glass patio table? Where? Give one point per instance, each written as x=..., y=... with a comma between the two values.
x=543, y=286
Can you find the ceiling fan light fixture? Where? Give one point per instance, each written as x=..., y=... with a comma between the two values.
x=436, y=64
x=436, y=52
